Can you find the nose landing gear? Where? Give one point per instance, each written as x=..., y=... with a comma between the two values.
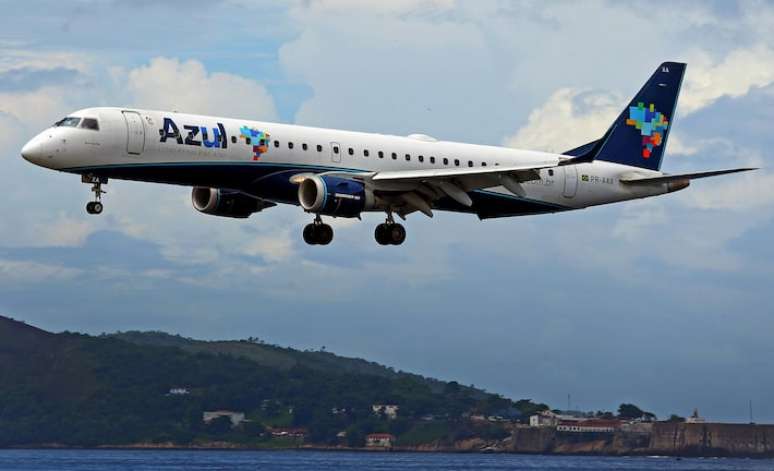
x=318, y=233
x=96, y=206
x=390, y=232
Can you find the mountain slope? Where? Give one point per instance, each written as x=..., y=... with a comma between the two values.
x=75, y=389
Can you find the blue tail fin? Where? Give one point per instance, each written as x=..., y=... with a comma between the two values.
x=638, y=136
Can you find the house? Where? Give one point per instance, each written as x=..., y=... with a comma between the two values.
x=589, y=426
x=292, y=432
x=178, y=392
x=545, y=418
x=389, y=410
x=235, y=417
x=380, y=440
x=695, y=418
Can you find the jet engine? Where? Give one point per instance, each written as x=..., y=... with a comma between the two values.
x=333, y=196
x=226, y=203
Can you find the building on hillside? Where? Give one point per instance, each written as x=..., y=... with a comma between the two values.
x=695, y=418
x=236, y=418
x=178, y=392
x=292, y=432
x=389, y=410
x=589, y=426
x=380, y=440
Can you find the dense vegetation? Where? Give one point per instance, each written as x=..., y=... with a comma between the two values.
x=75, y=389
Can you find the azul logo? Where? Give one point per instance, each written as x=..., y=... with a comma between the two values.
x=259, y=140
x=194, y=135
x=652, y=125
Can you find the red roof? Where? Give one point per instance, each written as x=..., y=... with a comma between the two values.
x=381, y=436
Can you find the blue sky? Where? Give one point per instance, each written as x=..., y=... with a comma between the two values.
x=665, y=302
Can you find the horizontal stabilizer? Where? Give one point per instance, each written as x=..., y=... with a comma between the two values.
x=635, y=178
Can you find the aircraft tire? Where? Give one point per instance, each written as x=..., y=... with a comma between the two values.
x=97, y=207
x=397, y=234
x=381, y=235
x=310, y=234
x=324, y=234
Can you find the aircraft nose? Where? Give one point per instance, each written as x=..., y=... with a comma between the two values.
x=31, y=151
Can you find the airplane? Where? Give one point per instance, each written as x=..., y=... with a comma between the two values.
x=239, y=167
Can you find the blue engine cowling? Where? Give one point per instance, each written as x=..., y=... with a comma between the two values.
x=226, y=203
x=334, y=196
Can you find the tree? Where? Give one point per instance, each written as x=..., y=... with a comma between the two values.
x=675, y=418
x=630, y=411
x=219, y=426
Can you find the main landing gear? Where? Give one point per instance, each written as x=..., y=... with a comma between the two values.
x=390, y=232
x=95, y=207
x=318, y=233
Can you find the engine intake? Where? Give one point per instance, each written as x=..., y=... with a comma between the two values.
x=226, y=203
x=333, y=196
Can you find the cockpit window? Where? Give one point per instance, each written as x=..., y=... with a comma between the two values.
x=90, y=123
x=69, y=122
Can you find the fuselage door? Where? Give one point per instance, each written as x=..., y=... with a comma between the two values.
x=335, y=152
x=570, y=181
x=135, y=133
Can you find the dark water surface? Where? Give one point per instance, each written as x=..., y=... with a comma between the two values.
x=168, y=460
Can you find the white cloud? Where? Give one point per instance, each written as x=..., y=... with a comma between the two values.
x=169, y=84
x=708, y=79
x=569, y=118
x=13, y=272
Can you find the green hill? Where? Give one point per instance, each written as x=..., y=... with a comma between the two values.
x=81, y=390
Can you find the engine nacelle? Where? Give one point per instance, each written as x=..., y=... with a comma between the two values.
x=226, y=203
x=334, y=196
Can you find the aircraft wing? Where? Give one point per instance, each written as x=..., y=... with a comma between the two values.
x=415, y=190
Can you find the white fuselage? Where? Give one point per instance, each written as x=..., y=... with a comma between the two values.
x=140, y=145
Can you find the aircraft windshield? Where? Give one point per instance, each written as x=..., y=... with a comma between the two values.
x=69, y=122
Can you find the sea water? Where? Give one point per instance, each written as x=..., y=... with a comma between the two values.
x=169, y=460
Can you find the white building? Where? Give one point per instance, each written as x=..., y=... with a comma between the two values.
x=390, y=410
x=695, y=418
x=381, y=440
x=179, y=392
x=236, y=418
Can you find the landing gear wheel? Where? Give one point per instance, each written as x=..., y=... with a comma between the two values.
x=310, y=234
x=380, y=234
x=324, y=234
x=397, y=234
x=390, y=234
x=95, y=207
x=318, y=233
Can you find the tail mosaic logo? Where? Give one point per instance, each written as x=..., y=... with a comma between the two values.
x=651, y=123
x=259, y=140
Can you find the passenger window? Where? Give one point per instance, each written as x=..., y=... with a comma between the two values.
x=445, y=161
x=90, y=123
x=394, y=156
x=335, y=149
x=233, y=139
x=432, y=160
x=457, y=162
x=550, y=173
x=247, y=141
x=381, y=154
x=408, y=157
x=351, y=151
x=276, y=144
x=421, y=158
x=365, y=152
x=319, y=148
x=470, y=163
x=483, y=164
x=262, y=142
x=290, y=145
x=304, y=146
